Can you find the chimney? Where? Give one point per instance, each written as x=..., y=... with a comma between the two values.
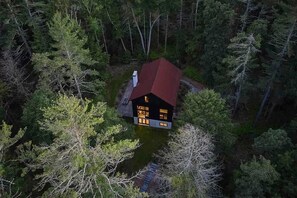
x=135, y=78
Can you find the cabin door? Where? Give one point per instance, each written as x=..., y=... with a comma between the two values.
x=143, y=121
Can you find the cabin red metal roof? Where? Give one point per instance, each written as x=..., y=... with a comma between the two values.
x=160, y=78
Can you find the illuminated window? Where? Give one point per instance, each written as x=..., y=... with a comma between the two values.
x=163, y=124
x=146, y=99
x=142, y=108
x=143, y=121
x=163, y=114
x=142, y=111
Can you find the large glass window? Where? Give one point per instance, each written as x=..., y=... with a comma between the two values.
x=163, y=114
x=142, y=111
x=143, y=121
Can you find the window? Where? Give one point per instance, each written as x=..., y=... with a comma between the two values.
x=142, y=108
x=142, y=111
x=146, y=99
x=143, y=121
x=163, y=124
x=163, y=114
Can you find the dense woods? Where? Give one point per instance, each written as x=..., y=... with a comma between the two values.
x=60, y=135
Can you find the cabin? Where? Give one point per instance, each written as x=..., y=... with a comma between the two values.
x=154, y=94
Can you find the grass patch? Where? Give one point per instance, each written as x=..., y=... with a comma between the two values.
x=193, y=73
x=151, y=140
x=113, y=86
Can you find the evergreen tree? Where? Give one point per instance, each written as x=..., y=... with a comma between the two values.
x=208, y=111
x=217, y=19
x=272, y=141
x=6, y=141
x=284, y=31
x=80, y=161
x=240, y=61
x=65, y=68
x=256, y=178
x=33, y=114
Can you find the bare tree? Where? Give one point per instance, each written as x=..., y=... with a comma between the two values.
x=190, y=160
x=14, y=73
x=145, y=42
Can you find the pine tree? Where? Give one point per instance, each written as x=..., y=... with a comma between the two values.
x=65, y=68
x=6, y=141
x=208, y=111
x=240, y=60
x=284, y=31
x=83, y=157
x=217, y=18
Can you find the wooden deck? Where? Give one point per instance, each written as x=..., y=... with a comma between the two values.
x=125, y=106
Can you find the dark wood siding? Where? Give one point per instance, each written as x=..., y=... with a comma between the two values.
x=154, y=104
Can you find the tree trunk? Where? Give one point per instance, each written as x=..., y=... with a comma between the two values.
x=104, y=39
x=139, y=31
x=78, y=87
x=20, y=30
x=278, y=64
x=181, y=14
x=166, y=33
x=150, y=34
x=245, y=15
x=158, y=34
x=131, y=38
x=196, y=12
x=238, y=94
x=122, y=42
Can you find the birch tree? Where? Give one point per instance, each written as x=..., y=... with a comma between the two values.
x=284, y=35
x=66, y=68
x=240, y=60
x=189, y=164
x=83, y=158
x=144, y=38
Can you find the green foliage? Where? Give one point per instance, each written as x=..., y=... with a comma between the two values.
x=6, y=140
x=64, y=68
x=272, y=141
x=192, y=73
x=240, y=61
x=286, y=166
x=71, y=158
x=217, y=17
x=258, y=27
x=208, y=110
x=33, y=114
x=256, y=178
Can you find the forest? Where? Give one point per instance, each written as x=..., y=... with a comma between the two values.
x=62, y=66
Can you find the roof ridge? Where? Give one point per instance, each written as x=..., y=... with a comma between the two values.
x=158, y=69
